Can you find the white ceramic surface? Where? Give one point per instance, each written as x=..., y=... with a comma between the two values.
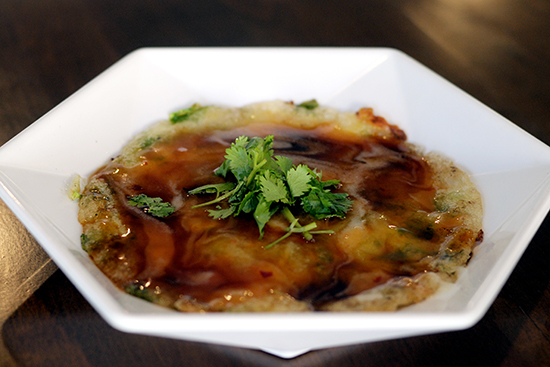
x=510, y=167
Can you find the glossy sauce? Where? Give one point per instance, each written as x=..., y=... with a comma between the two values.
x=389, y=232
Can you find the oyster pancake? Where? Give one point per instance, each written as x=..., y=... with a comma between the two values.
x=414, y=220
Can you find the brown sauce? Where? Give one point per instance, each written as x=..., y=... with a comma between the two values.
x=222, y=262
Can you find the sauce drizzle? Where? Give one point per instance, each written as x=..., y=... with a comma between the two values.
x=391, y=231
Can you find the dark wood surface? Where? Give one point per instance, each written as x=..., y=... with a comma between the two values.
x=496, y=50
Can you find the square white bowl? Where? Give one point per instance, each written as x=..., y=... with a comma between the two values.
x=510, y=167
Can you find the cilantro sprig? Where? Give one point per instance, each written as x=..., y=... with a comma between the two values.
x=264, y=184
x=152, y=206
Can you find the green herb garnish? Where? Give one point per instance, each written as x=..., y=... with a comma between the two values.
x=183, y=115
x=266, y=184
x=153, y=206
x=309, y=105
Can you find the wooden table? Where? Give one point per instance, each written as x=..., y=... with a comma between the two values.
x=496, y=50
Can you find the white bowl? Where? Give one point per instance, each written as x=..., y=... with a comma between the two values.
x=510, y=167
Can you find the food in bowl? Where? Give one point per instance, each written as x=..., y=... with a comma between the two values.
x=279, y=207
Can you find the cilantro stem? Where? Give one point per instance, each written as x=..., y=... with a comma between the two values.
x=325, y=231
x=287, y=234
x=305, y=229
x=295, y=228
x=256, y=169
x=219, y=198
x=291, y=218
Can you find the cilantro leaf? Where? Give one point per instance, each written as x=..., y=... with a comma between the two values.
x=239, y=161
x=262, y=214
x=249, y=202
x=284, y=163
x=220, y=213
x=298, y=179
x=323, y=204
x=153, y=206
x=309, y=105
x=266, y=184
x=329, y=183
x=183, y=115
x=273, y=188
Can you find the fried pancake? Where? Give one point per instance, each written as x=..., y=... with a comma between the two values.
x=414, y=222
